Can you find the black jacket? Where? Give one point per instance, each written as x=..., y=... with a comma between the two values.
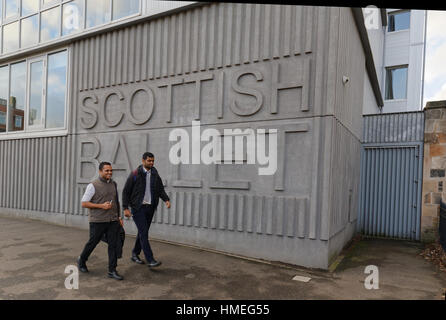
x=135, y=187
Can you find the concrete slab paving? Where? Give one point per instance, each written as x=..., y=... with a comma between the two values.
x=34, y=255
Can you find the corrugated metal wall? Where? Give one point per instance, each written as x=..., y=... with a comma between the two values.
x=35, y=174
x=391, y=175
x=204, y=38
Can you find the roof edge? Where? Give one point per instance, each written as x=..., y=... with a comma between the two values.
x=370, y=64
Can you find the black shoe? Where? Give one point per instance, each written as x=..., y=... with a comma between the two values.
x=154, y=263
x=81, y=265
x=115, y=275
x=136, y=259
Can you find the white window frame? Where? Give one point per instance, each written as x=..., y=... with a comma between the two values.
x=40, y=127
x=42, y=132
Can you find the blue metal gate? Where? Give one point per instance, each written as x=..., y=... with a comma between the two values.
x=391, y=176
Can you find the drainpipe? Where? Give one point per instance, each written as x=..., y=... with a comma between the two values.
x=424, y=58
x=383, y=68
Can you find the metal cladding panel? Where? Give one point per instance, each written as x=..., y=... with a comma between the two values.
x=35, y=174
x=390, y=191
x=393, y=128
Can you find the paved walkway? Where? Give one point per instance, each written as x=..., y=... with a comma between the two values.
x=34, y=254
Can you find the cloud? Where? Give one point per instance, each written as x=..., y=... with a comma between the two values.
x=435, y=62
x=440, y=95
x=436, y=24
x=435, y=66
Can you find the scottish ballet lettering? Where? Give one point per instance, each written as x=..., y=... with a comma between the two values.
x=232, y=89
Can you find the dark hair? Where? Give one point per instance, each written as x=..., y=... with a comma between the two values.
x=102, y=164
x=147, y=155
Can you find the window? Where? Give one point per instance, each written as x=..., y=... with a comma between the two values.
x=98, y=12
x=29, y=7
x=2, y=117
x=11, y=8
x=399, y=20
x=17, y=93
x=56, y=88
x=73, y=17
x=4, y=83
x=49, y=24
x=46, y=3
x=396, y=82
x=124, y=8
x=20, y=20
x=11, y=37
x=30, y=31
x=37, y=94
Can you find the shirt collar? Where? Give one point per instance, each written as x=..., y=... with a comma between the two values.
x=145, y=170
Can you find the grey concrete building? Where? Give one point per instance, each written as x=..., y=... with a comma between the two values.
x=133, y=71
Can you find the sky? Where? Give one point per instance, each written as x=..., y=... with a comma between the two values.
x=435, y=64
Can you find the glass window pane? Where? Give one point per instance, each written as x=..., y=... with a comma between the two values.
x=48, y=2
x=399, y=21
x=35, y=93
x=11, y=37
x=98, y=12
x=124, y=8
x=73, y=17
x=29, y=31
x=56, y=88
x=50, y=24
x=396, y=83
x=29, y=7
x=11, y=8
x=4, y=81
x=17, y=96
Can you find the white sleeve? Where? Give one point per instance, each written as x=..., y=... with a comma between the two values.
x=89, y=193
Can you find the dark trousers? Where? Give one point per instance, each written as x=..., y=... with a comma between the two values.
x=143, y=219
x=97, y=230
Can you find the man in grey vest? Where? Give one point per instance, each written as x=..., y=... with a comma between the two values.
x=101, y=198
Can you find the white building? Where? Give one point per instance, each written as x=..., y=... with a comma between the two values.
x=397, y=41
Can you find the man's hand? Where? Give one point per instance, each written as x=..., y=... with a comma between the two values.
x=106, y=205
x=127, y=213
x=121, y=222
x=168, y=204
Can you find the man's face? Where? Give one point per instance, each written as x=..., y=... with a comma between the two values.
x=106, y=172
x=148, y=162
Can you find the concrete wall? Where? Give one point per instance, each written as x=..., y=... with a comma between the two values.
x=228, y=66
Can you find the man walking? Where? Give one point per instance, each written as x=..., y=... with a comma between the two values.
x=141, y=192
x=101, y=198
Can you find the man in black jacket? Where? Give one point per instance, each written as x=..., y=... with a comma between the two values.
x=141, y=192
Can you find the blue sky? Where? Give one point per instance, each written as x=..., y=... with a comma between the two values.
x=435, y=65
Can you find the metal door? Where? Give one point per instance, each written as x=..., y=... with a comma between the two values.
x=390, y=197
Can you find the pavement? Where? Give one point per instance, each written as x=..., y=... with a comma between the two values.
x=34, y=255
